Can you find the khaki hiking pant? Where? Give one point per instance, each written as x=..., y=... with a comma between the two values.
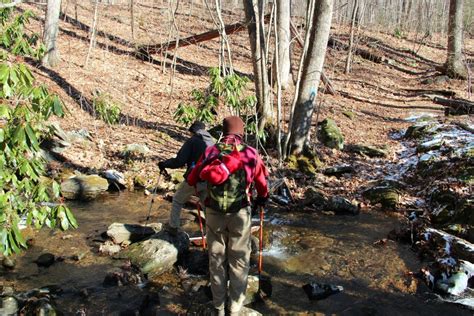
x=228, y=237
x=181, y=196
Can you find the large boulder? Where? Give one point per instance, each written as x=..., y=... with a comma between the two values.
x=420, y=129
x=341, y=205
x=83, y=187
x=330, y=134
x=387, y=193
x=130, y=233
x=159, y=253
x=313, y=196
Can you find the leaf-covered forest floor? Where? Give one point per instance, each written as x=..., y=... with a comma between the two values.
x=379, y=97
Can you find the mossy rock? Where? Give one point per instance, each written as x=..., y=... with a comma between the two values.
x=177, y=176
x=304, y=164
x=444, y=197
x=341, y=205
x=369, y=151
x=313, y=196
x=441, y=214
x=140, y=181
x=465, y=212
x=419, y=130
x=338, y=171
x=444, y=203
x=387, y=193
x=466, y=174
x=430, y=163
x=135, y=151
x=433, y=144
x=330, y=134
x=84, y=187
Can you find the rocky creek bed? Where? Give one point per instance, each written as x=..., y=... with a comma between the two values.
x=386, y=257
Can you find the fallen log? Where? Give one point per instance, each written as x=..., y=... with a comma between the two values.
x=455, y=106
x=147, y=50
x=358, y=51
x=462, y=248
x=324, y=78
x=422, y=92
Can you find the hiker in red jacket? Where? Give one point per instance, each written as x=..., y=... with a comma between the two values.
x=230, y=168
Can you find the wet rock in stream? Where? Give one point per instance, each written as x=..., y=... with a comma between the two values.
x=319, y=291
x=83, y=187
x=116, y=179
x=130, y=233
x=385, y=192
x=158, y=253
x=9, y=305
x=8, y=263
x=45, y=260
x=108, y=248
x=341, y=205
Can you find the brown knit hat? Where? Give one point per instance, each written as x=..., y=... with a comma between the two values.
x=233, y=125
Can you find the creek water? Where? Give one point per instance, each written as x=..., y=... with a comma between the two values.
x=299, y=248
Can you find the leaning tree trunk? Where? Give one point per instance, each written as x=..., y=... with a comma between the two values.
x=284, y=37
x=313, y=66
x=454, y=66
x=254, y=19
x=51, y=57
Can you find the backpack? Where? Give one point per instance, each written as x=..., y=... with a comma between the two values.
x=231, y=195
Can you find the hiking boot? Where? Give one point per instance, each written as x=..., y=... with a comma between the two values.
x=173, y=231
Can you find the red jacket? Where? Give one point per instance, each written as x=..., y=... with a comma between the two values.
x=253, y=165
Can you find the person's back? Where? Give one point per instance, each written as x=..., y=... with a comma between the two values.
x=230, y=168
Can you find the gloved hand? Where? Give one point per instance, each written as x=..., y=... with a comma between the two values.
x=260, y=201
x=162, y=168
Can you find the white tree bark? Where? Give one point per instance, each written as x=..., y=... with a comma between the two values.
x=455, y=67
x=254, y=18
x=311, y=76
x=51, y=57
x=284, y=37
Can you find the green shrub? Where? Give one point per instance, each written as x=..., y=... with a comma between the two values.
x=226, y=90
x=106, y=109
x=25, y=108
x=14, y=38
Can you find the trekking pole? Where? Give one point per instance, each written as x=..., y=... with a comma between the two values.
x=152, y=202
x=198, y=205
x=260, y=250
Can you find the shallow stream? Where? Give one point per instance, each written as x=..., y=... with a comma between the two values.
x=300, y=247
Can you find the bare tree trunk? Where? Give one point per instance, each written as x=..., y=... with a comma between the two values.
x=93, y=32
x=75, y=10
x=311, y=75
x=279, y=82
x=284, y=37
x=455, y=67
x=51, y=57
x=132, y=18
x=254, y=19
x=351, y=38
